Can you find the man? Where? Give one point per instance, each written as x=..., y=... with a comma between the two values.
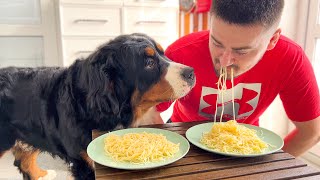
x=244, y=36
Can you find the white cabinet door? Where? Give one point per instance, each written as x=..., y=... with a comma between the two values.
x=21, y=51
x=31, y=23
x=20, y=12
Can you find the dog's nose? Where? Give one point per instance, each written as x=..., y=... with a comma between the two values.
x=188, y=75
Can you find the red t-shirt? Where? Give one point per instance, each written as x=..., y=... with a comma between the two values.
x=284, y=70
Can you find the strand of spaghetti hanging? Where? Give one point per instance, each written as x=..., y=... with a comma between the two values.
x=222, y=88
x=232, y=89
x=219, y=87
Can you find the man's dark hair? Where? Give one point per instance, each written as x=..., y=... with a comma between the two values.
x=248, y=12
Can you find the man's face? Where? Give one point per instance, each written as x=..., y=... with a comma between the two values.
x=237, y=47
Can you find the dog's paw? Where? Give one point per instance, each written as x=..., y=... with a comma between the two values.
x=50, y=176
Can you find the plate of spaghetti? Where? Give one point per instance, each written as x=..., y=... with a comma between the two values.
x=138, y=148
x=234, y=139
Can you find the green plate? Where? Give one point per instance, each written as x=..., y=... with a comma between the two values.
x=194, y=134
x=96, y=151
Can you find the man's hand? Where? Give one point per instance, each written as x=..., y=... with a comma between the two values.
x=306, y=135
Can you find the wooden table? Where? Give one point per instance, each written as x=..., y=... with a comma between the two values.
x=200, y=164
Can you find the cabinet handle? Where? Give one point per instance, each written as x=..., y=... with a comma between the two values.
x=83, y=52
x=150, y=22
x=99, y=21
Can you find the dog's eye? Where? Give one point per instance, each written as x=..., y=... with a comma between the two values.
x=150, y=63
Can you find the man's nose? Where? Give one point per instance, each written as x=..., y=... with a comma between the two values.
x=226, y=59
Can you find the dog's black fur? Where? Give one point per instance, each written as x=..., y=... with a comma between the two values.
x=55, y=109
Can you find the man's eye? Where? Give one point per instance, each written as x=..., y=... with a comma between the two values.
x=241, y=53
x=217, y=45
x=150, y=63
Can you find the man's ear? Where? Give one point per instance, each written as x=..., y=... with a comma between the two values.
x=274, y=39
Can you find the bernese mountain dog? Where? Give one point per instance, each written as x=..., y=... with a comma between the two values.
x=54, y=109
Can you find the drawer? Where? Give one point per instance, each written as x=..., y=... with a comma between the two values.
x=152, y=21
x=76, y=47
x=95, y=2
x=90, y=21
x=21, y=51
x=153, y=3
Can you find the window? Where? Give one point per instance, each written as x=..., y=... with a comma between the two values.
x=312, y=49
x=313, y=36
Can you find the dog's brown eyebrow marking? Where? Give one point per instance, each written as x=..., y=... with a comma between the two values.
x=150, y=51
x=159, y=47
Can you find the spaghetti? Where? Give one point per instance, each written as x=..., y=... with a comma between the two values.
x=222, y=89
x=139, y=147
x=230, y=137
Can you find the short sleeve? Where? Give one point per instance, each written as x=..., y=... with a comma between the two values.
x=300, y=92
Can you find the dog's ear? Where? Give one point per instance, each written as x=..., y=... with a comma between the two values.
x=100, y=76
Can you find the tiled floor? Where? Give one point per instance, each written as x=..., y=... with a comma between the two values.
x=45, y=161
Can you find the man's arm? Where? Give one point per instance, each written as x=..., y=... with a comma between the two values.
x=306, y=135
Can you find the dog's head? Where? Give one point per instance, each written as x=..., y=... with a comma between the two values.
x=130, y=74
